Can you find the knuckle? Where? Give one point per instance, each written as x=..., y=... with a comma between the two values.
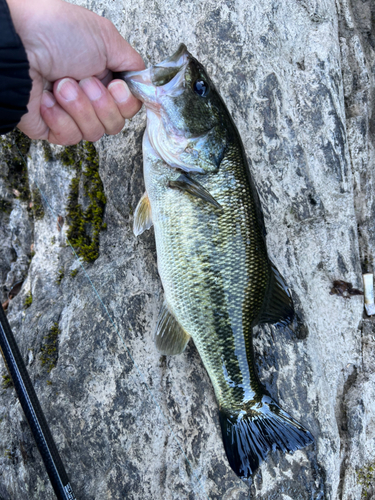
x=65, y=140
x=36, y=129
x=131, y=110
x=116, y=128
x=34, y=135
x=93, y=136
x=72, y=142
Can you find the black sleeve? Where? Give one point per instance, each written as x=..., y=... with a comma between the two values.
x=15, y=82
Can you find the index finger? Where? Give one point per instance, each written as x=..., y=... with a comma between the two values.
x=127, y=104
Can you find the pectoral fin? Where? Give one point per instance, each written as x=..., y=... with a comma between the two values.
x=186, y=183
x=142, y=216
x=170, y=338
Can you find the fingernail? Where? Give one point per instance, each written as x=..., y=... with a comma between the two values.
x=91, y=88
x=119, y=91
x=47, y=99
x=67, y=90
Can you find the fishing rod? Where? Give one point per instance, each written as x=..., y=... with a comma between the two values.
x=33, y=411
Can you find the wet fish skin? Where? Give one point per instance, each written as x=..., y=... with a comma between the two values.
x=212, y=257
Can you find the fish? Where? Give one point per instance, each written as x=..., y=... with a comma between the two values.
x=218, y=280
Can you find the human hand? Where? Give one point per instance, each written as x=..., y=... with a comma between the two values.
x=72, y=53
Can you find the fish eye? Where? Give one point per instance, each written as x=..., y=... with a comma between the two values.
x=200, y=87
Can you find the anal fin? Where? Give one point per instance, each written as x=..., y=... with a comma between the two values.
x=142, y=216
x=278, y=304
x=170, y=338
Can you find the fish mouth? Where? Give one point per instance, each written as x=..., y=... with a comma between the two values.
x=166, y=77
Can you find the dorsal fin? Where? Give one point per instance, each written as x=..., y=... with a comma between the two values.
x=142, y=216
x=170, y=338
x=278, y=304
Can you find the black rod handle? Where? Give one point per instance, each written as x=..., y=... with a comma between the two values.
x=33, y=412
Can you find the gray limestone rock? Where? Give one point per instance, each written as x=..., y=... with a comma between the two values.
x=299, y=80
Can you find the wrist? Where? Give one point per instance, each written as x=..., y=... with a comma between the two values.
x=30, y=17
x=18, y=11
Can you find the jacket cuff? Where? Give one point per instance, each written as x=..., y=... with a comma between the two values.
x=15, y=82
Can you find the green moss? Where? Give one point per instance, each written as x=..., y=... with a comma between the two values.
x=49, y=382
x=8, y=454
x=5, y=206
x=85, y=224
x=15, y=147
x=47, y=151
x=7, y=381
x=28, y=300
x=74, y=273
x=37, y=206
x=69, y=156
x=49, y=352
x=366, y=478
x=60, y=276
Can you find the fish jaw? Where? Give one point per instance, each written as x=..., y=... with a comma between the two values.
x=140, y=85
x=164, y=78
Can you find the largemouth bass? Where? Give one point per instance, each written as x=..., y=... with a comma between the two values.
x=212, y=258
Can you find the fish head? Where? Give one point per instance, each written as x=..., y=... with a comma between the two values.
x=187, y=121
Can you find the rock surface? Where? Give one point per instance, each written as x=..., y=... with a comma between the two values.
x=298, y=78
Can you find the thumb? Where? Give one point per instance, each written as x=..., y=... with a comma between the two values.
x=120, y=54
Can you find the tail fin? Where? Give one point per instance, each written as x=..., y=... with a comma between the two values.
x=248, y=437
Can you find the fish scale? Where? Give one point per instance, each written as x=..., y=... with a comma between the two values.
x=212, y=259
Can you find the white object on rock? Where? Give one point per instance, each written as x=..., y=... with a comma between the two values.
x=368, y=284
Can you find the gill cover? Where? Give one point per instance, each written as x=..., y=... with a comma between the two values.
x=183, y=112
